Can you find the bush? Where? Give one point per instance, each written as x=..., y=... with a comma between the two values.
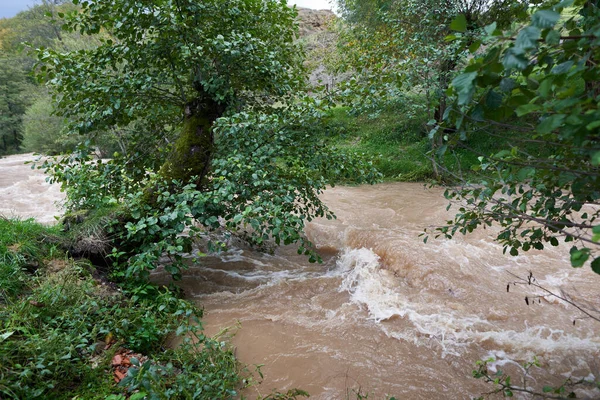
x=60, y=329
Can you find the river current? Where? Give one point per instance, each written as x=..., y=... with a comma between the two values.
x=384, y=314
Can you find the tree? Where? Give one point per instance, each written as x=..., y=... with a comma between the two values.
x=15, y=97
x=225, y=139
x=400, y=51
x=34, y=26
x=539, y=87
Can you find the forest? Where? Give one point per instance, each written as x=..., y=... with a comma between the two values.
x=178, y=127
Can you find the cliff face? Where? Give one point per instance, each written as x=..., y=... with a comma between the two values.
x=314, y=21
x=319, y=39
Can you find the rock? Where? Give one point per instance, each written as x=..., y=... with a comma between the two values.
x=314, y=21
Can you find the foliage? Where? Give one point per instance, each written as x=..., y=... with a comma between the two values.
x=15, y=96
x=43, y=131
x=230, y=145
x=34, y=26
x=504, y=384
x=38, y=26
x=393, y=140
x=23, y=246
x=540, y=81
x=395, y=144
x=398, y=47
x=58, y=321
x=191, y=51
x=264, y=186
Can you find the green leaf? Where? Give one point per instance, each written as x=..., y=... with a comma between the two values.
x=596, y=158
x=592, y=125
x=5, y=336
x=493, y=100
x=463, y=84
x=579, y=257
x=550, y=123
x=552, y=37
x=545, y=18
x=562, y=68
x=491, y=28
x=528, y=38
x=527, y=109
x=545, y=88
x=459, y=23
x=475, y=46
x=514, y=58
x=596, y=265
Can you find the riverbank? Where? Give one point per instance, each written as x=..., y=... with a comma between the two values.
x=69, y=332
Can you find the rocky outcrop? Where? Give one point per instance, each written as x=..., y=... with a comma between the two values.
x=319, y=38
x=314, y=21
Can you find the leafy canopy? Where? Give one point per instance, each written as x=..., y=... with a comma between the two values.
x=397, y=47
x=219, y=80
x=539, y=82
x=163, y=54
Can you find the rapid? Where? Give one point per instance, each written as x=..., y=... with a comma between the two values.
x=384, y=314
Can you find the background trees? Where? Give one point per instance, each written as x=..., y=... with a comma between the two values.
x=398, y=47
x=39, y=26
x=17, y=90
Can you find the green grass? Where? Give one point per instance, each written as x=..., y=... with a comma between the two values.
x=397, y=142
x=55, y=320
x=23, y=247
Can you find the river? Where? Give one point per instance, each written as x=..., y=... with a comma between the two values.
x=385, y=314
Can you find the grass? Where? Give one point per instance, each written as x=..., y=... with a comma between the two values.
x=396, y=139
x=23, y=247
x=60, y=327
x=396, y=144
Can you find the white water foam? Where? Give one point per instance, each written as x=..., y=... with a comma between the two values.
x=376, y=289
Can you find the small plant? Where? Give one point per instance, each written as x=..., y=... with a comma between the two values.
x=61, y=328
x=503, y=384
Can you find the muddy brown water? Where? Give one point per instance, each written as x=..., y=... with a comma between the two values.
x=24, y=192
x=385, y=314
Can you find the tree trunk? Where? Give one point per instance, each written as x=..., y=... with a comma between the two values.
x=448, y=65
x=190, y=158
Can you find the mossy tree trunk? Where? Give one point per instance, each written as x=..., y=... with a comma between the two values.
x=191, y=154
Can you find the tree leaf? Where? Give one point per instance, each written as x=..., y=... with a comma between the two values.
x=562, y=68
x=579, y=257
x=491, y=28
x=550, y=123
x=515, y=58
x=545, y=18
x=526, y=109
x=528, y=38
x=596, y=265
x=463, y=84
x=596, y=158
x=459, y=23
